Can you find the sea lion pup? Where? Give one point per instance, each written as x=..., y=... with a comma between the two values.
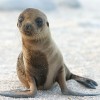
x=40, y=64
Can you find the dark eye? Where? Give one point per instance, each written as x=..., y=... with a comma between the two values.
x=20, y=20
x=39, y=22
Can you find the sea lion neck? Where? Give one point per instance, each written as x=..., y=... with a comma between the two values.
x=34, y=44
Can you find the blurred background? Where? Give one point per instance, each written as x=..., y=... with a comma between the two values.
x=75, y=27
x=48, y=5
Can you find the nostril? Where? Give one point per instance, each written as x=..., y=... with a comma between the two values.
x=28, y=27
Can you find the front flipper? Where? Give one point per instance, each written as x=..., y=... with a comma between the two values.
x=22, y=94
x=17, y=94
x=85, y=81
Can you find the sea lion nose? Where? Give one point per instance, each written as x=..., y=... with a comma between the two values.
x=28, y=27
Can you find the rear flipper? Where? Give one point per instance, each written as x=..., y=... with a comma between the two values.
x=85, y=81
x=61, y=79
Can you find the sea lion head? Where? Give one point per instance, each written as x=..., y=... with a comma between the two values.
x=33, y=23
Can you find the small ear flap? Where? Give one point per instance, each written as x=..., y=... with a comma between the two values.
x=48, y=24
x=17, y=24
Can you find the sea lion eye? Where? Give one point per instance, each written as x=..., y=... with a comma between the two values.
x=20, y=20
x=39, y=22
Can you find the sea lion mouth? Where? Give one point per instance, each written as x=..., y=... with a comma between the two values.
x=28, y=33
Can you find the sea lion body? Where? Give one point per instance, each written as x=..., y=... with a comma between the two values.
x=40, y=63
x=53, y=62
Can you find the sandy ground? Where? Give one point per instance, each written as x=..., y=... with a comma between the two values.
x=77, y=34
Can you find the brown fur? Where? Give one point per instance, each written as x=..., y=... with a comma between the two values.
x=38, y=68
